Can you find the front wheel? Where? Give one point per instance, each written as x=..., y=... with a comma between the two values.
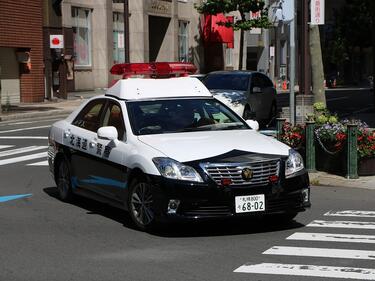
x=140, y=202
x=63, y=182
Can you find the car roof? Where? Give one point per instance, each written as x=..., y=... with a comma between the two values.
x=151, y=88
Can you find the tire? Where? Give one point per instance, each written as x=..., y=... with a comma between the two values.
x=140, y=203
x=63, y=182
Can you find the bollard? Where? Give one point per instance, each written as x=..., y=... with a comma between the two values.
x=310, y=146
x=351, y=152
x=279, y=127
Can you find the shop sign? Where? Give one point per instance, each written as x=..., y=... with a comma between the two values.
x=163, y=7
x=56, y=41
x=317, y=12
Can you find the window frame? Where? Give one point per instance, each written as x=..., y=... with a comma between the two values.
x=116, y=30
x=75, y=25
x=85, y=111
x=186, y=37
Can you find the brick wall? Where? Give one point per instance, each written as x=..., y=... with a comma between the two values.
x=21, y=27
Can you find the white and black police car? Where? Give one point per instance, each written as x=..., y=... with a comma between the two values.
x=165, y=149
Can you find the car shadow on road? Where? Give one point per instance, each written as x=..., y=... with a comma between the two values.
x=217, y=227
x=96, y=208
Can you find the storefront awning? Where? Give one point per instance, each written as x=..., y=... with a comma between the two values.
x=215, y=33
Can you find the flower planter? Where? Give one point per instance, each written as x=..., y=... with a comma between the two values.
x=330, y=163
x=366, y=166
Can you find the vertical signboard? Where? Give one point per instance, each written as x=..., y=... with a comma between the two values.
x=317, y=12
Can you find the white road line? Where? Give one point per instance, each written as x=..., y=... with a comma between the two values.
x=5, y=146
x=351, y=213
x=23, y=158
x=24, y=129
x=41, y=163
x=321, y=252
x=21, y=150
x=342, y=224
x=309, y=270
x=23, y=138
x=332, y=237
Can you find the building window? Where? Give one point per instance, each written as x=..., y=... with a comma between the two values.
x=183, y=41
x=118, y=38
x=228, y=56
x=81, y=23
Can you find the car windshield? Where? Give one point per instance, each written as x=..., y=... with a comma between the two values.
x=227, y=81
x=181, y=115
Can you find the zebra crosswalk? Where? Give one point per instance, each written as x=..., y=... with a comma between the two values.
x=9, y=154
x=332, y=253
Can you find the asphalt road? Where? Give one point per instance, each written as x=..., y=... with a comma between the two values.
x=42, y=238
x=346, y=103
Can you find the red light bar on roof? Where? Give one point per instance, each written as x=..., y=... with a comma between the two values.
x=154, y=69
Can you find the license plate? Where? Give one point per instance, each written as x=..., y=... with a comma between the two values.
x=250, y=203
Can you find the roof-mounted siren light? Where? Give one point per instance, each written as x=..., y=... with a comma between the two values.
x=154, y=69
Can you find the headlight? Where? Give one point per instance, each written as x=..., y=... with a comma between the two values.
x=294, y=163
x=172, y=169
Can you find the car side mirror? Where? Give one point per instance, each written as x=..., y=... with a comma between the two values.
x=257, y=90
x=108, y=133
x=253, y=124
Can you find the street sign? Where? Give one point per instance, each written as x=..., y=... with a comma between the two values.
x=56, y=41
x=317, y=12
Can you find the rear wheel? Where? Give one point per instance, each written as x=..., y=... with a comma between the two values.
x=140, y=202
x=63, y=182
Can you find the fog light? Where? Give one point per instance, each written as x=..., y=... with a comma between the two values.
x=305, y=195
x=173, y=206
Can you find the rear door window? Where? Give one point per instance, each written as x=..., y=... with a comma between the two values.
x=89, y=117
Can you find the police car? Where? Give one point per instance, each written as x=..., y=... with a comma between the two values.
x=165, y=149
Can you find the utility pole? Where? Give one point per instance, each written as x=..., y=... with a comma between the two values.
x=126, y=30
x=292, y=100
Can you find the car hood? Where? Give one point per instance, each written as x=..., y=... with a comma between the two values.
x=236, y=100
x=192, y=146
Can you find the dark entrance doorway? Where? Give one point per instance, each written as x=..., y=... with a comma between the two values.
x=157, y=29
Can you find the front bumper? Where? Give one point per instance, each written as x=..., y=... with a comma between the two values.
x=208, y=200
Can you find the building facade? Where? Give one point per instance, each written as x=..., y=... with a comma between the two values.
x=21, y=51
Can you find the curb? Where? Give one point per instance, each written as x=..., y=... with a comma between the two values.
x=27, y=115
x=324, y=179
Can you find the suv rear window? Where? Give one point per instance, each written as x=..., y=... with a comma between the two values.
x=237, y=82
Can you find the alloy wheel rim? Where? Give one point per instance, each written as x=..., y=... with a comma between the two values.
x=141, y=204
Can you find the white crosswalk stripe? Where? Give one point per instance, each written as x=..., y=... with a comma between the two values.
x=332, y=237
x=309, y=270
x=10, y=154
x=21, y=150
x=333, y=252
x=321, y=252
x=351, y=213
x=5, y=146
x=41, y=163
x=23, y=158
x=342, y=224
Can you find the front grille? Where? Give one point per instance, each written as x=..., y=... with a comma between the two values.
x=261, y=172
x=288, y=202
x=207, y=210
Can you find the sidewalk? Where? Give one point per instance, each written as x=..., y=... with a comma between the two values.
x=325, y=179
x=48, y=108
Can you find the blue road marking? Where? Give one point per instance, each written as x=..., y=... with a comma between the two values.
x=13, y=197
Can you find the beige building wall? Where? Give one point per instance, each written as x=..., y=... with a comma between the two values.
x=96, y=75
